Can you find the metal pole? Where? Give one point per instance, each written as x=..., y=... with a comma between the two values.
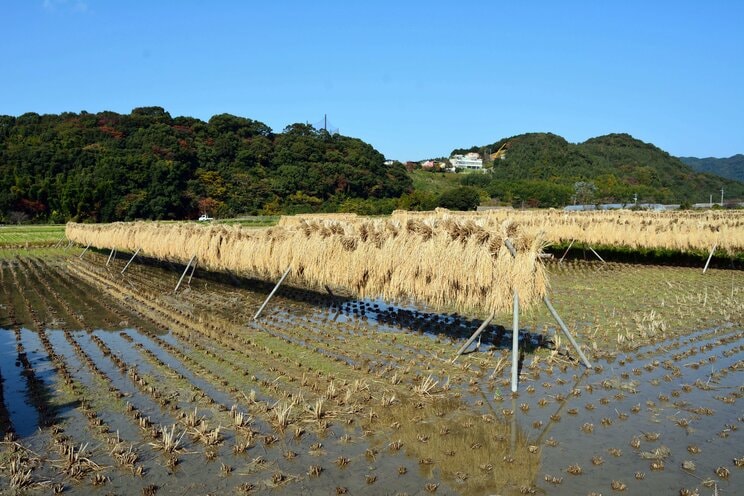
x=566, y=332
x=286, y=273
x=475, y=335
x=597, y=255
x=566, y=252
x=193, y=268
x=515, y=344
x=184, y=274
x=709, y=257
x=110, y=255
x=553, y=312
x=130, y=260
x=86, y=249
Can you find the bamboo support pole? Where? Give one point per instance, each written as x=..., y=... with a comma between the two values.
x=515, y=344
x=597, y=254
x=130, y=260
x=554, y=313
x=566, y=332
x=193, y=269
x=566, y=252
x=286, y=273
x=86, y=249
x=472, y=338
x=113, y=250
x=709, y=257
x=188, y=265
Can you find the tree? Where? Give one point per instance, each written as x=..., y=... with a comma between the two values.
x=584, y=192
x=462, y=198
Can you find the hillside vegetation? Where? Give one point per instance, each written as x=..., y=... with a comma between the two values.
x=543, y=169
x=146, y=164
x=731, y=168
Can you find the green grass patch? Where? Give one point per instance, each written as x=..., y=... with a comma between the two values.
x=31, y=235
x=434, y=182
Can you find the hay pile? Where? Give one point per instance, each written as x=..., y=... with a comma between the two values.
x=444, y=263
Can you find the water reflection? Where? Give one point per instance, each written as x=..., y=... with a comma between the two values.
x=475, y=454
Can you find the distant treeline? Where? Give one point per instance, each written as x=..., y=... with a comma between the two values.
x=543, y=169
x=731, y=167
x=149, y=165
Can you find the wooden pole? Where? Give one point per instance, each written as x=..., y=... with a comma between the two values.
x=566, y=252
x=184, y=274
x=472, y=338
x=130, y=260
x=113, y=250
x=515, y=344
x=86, y=249
x=286, y=273
x=193, y=268
x=709, y=257
x=566, y=332
x=597, y=254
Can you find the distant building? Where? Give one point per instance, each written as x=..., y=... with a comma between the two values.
x=427, y=164
x=389, y=162
x=471, y=161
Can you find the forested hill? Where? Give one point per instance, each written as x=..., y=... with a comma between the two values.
x=732, y=167
x=544, y=169
x=149, y=165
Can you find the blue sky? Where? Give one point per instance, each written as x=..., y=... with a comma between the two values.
x=414, y=79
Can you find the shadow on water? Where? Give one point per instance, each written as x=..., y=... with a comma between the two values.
x=343, y=308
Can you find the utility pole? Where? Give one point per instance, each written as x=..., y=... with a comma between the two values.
x=710, y=202
x=722, y=197
x=635, y=199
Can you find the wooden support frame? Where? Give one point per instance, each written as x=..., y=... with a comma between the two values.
x=188, y=266
x=111, y=255
x=284, y=276
x=130, y=261
x=83, y=253
x=193, y=269
x=597, y=255
x=475, y=335
x=712, y=251
x=554, y=314
x=566, y=252
x=566, y=332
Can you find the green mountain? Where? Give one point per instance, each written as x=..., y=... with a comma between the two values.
x=731, y=168
x=543, y=169
x=149, y=165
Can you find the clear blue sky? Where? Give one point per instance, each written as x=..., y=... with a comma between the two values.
x=415, y=79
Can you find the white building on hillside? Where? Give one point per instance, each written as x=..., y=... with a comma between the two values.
x=471, y=161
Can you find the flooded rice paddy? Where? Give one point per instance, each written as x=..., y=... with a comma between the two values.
x=113, y=384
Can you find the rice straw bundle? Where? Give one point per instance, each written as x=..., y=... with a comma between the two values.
x=683, y=231
x=445, y=263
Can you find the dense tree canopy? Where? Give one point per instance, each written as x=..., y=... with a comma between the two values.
x=543, y=169
x=149, y=165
